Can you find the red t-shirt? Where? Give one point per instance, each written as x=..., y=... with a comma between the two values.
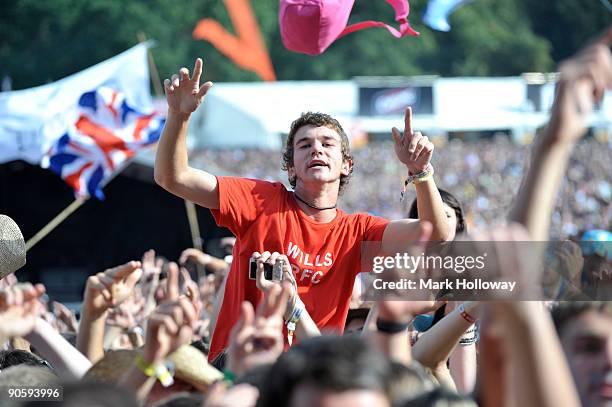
x=324, y=257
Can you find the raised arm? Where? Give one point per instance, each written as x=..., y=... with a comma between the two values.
x=65, y=358
x=172, y=170
x=583, y=80
x=538, y=374
x=103, y=291
x=436, y=345
x=169, y=327
x=19, y=317
x=19, y=310
x=415, y=151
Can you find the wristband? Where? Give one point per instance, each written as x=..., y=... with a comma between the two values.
x=422, y=176
x=159, y=371
x=470, y=337
x=464, y=314
x=389, y=327
x=228, y=376
x=296, y=314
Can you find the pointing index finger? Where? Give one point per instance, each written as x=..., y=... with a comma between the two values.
x=408, y=123
x=172, y=288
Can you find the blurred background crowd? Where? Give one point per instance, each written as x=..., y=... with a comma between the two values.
x=483, y=174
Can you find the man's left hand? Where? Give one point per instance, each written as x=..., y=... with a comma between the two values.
x=411, y=147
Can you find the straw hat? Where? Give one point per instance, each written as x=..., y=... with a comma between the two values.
x=190, y=366
x=12, y=247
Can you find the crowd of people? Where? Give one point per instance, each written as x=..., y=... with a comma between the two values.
x=266, y=325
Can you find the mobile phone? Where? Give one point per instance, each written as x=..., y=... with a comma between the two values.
x=271, y=272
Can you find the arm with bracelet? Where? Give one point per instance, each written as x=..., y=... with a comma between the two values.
x=391, y=335
x=392, y=321
x=299, y=323
x=415, y=151
x=463, y=360
x=436, y=345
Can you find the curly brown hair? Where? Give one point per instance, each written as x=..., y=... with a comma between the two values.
x=317, y=119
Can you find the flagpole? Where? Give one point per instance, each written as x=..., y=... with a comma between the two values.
x=76, y=204
x=154, y=73
x=192, y=215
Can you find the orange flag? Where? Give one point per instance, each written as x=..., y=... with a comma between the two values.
x=247, y=49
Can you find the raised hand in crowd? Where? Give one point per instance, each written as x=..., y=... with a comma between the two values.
x=211, y=271
x=184, y=94
x=191, y=289
x=199, y=257
x=536, y=372
x=151, y=266
x=65, y=318
x=8, y=281
x=388, y=320
x=111, y=287
x=151, y=272
x=103, y=291
x=415, y=151
x=583, y=80
x=20, y=316
x=257, y=337
x=19, y=309
x=172, y=171
x=411, y=147
x=169, y=327
x=125, y=326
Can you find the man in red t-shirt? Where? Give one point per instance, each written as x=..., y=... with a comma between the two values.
x=321, y=242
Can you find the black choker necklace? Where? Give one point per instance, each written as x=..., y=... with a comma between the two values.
x=312, y=206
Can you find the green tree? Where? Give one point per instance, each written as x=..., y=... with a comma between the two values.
x=567, y=24
x=42, y=41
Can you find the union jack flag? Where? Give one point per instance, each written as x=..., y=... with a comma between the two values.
x=107, y=131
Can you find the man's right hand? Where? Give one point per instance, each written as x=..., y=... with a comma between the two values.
x=185, y=94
